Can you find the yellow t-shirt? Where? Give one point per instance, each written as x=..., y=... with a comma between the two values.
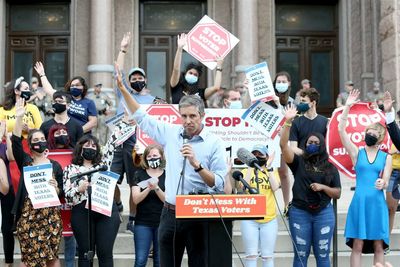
x=32, y=118
x=265, y=189
x=395, y=157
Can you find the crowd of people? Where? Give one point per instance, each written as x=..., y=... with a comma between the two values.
x=34, y=121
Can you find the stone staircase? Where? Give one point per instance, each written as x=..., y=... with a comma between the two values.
x=124, y=247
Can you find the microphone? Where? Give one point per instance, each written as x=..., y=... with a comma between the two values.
x=77, y=176
x=238, y=176
x=249, y=159
x=186, y=137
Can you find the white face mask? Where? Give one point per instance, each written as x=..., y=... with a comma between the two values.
x=236, y=104
x=190, y=78
x=281, y=87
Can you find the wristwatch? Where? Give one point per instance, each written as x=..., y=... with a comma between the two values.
x=199, y=168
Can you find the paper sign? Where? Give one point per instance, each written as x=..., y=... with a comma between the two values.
x=264, y=118
x=41, y=193
x=103, y=186
x=209, y=40
x=227, y=206
x=145, y=183
x=124, y=134
x=260, y=83
x=113, y=121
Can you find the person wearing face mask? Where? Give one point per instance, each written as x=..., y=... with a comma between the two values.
x=310, y=122
x=316, y=183
x=149, y=200
x=187, y=82
x=14, y=91
x=367, y=222
x=81, y=108
x=86, y=156
x=231, y=99
x=263, y=231
x=60, y=105
x=38, y=230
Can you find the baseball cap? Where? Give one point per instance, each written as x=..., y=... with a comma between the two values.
x=349, y=83
x=137, y=70
x=260, y=148
x=305, y=81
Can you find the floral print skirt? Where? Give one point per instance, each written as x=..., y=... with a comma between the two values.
x=39, y=233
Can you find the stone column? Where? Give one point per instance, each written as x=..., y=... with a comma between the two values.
x=101, y=39
x=247, y=32
x=389, y=30
x=2, y=44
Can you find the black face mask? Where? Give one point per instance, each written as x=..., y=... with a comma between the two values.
x=59, y=108
x=138, y=85
x=88, y=153
x=39, y=147
x=26, y=95
x=262, y=161
x=370, y=140
x=62, y=140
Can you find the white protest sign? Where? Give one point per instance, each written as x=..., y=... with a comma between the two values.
x=260, y=83
x=113, y=121
x=209, y=40
x=103, y=186
x=265, y=118
x=40, y=192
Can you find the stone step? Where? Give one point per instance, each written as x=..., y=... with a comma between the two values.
x=124, y=243
x=280, y=259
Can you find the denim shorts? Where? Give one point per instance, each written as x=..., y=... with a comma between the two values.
x=392, y=180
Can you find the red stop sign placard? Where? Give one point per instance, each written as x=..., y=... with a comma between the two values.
x=360, y=116
x=166, y=113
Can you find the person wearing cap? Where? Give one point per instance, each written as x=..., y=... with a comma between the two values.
x=187, y=82
x=376, y=96
x=41, y=100
x=264, y=231
x=103, y=104
x=305, y=84
x=316, y=183
x=341, y=99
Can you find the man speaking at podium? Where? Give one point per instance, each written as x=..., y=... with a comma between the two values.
x=195, y=163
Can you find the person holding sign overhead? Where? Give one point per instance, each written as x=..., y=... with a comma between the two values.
x=367, y=222
x=148, y=194
x=187, y=82
x=87, y=156
x=38, y=230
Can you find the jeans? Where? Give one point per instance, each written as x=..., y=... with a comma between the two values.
x=69, y=251
x=254, y=233
x=7, y=224
x=174, y=235
x=104, y=233
x=312, y=229
x=143, y=237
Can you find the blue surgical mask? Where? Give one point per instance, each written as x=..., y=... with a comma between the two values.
x=190, y=78
x=75, y=91
x=312, y=149
x=303, y=107
x=236, y=104
x=281, y=87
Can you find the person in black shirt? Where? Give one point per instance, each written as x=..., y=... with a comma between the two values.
x=187, y=82
x=149, y=199
x=316, y=182
x=61, y=101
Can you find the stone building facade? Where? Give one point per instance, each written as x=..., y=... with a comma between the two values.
x=362, y=44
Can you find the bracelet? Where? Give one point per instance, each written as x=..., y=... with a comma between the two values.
x=123, y=51
x=219, y=69
x=288, y=124
x=42, y=75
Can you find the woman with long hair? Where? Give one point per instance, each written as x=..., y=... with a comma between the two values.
x=38, y=230
x=316, y=183
x=149, y=200
x=87, y=155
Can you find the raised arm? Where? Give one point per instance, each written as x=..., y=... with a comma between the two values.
x=47, y=87
x=287, y=152
x=176, y=71
x=19, y=114
x=123, y=49
x=392, y=126
x=348, y=145
x=217, y=82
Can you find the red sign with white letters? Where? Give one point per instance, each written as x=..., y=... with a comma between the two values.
x=360, y=116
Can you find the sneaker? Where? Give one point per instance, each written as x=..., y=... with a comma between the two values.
x=130, y=226
x=386, y=251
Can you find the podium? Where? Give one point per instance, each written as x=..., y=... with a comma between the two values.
x=213, y=209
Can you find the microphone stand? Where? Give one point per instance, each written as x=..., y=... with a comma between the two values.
x=257, y=182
